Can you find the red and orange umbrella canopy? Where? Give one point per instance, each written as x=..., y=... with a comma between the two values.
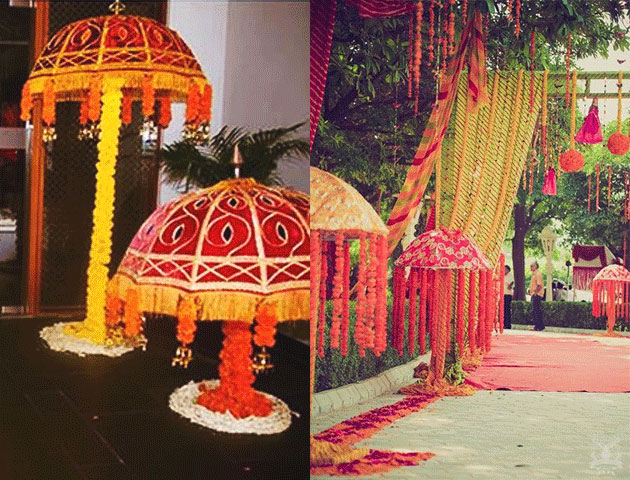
x=611, y=294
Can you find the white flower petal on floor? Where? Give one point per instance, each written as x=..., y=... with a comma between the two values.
x=184, y=402
x=59, y=341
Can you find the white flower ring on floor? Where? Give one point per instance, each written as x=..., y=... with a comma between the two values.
x=60, y=341
x=184, y=402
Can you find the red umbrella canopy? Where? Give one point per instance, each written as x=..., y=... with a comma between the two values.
x=444, y=248
x=231, y=247
x=611, y=292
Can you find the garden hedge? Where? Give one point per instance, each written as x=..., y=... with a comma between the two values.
x=335, y=370
x=561, y=314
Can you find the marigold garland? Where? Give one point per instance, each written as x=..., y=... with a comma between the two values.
x=315, y=260
x=481, y=322
x=235, y=393
x=588, y=203
x=165, y=111
x=83, y=111
x=517, y=27
x=380, y=321
x=93, y=327
x=148, y=96
x=345, y=313
x=133, y=315
x=205, y=104
x=113, y=304
x=417, y=56
x=544, y=115
x=94, y=99
x=26, y=103
x=127, y=108
x=321, y=322
x=460, y=333
x=48, y=103
x=568, y=77
x=502, y=290
x=410, y=59
x=609, y=184
x=532, y=66
x=464, y=12
x=510, y=7
x=193, y=104
x=412, y=319
x=371, y=290
x=265, y=328
x=597, y=187
x=361, y=334
x=187, y=315
x=472, y=310
x=337, y=291
x=422, y=330
x=572, y=160
x=431, y=32
x=451, y=30
x=618, y=143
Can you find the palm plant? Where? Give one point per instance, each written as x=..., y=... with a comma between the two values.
x=199, y=167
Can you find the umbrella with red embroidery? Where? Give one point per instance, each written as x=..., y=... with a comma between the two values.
x=611, y=294
x=431, y=259
x=236, y=252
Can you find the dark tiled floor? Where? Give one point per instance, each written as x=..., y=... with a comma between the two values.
x=64, y=417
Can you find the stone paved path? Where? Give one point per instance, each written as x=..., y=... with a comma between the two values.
x=504, y=435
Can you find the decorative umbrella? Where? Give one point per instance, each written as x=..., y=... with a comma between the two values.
x=236, y=252
x=107, y=63
x=340, y=215
x=431, y=259
x=611, y=294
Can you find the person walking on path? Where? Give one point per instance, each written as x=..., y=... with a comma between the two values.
x=536, y=290
x=508, y=281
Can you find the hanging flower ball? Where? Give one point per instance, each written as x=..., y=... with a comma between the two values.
x=571, y=161
x=618, y=143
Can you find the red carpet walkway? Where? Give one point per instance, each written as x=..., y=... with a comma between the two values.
x=555, y=363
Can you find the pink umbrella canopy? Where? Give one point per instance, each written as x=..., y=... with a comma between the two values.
x=444, y=248
x=611, y=292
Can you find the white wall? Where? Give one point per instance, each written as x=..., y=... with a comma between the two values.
x=256, y=55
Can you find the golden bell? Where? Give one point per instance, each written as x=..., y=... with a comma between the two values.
x=183, y=356
x=262, y=362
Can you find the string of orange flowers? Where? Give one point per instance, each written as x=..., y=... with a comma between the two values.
x=532, y=67
x=568, y=75
x=431, y=32
x=417, y=56
x=597, y=188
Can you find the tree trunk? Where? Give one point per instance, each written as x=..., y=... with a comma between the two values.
x=518, y=251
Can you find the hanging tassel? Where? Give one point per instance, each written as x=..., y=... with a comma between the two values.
x=165, y=111
x=501, y=291
x=549, y=187
x=26, y=103
x=187, y=312
x=532, y=66
x=417, y=62
x=544, y=115
x=205, y=104
x=345, y=312
x=431, y=33
x=410, y=60
x=413, y=319
x=133, y=316
x=461, y=303
x=148, y=96
x=360, y=328
x=127, y=108
x=482, y=311
x=94, y=99
x=371, y=290
x=422, y=330
x=48, y=103
x=380, y=323
x=192, y=104
x=597, y=188
x=265, y=327
x=321, y=322
x=567, y=93
x=472, y=310
x=400, y=329
x=337, y=291
x=113, y=304
x=517, y=27
x=609, y=184
x=315, y=264
x=83, y=112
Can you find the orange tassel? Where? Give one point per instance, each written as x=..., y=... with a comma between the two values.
x=48, y=103
x=84, y=110
x=127, y=108
x=380, y=322
x=113, y=305
x=361, y=334
x=417, y=61
x=26, y=104
x=132, y=315
x=597, y=188
x=412, y=319
x=337, y=291
x=205, y=104
x=187, y=312
x=265, y=328
x=94, y=99
x=192, y=104
x=371, y=290
x=410, y=59
x=345, y=312
x=148, y=96
x=609, y=183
